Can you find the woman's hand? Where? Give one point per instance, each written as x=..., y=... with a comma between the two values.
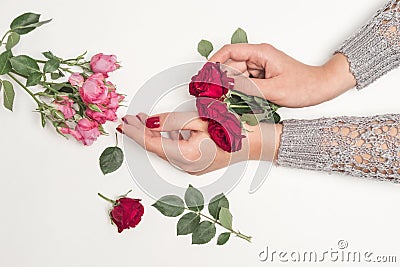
x=197, y=154
x=282, y=79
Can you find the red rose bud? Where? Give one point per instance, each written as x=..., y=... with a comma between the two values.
x=126, y=212
x=211, y=81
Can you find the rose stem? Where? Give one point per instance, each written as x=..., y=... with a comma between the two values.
x=25, y=88
x=238, y=234
x=106, y=198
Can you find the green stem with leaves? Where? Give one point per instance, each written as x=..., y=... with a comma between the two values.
x=26, y=89
x=237, y=233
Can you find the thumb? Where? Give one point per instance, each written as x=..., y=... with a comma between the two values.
x=265, y=88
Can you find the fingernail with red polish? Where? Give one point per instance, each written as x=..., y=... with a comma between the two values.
x=119, y=129
x=138, y=117
x=153, y=122
x=124, y=120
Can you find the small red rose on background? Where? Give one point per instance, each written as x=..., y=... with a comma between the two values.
x=126, y=212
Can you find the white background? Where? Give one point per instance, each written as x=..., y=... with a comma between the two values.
x=50, y=213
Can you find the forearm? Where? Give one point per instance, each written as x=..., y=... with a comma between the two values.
x=358, y=146
x=336, y=77
x=374, y=49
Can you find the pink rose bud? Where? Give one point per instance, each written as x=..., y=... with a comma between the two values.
x=76, y=79
x=65, y=106
x=72, y=132
x=93, y=90
x=104, y=64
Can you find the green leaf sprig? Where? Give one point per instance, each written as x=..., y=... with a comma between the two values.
x=27, y=72
x=202, y=227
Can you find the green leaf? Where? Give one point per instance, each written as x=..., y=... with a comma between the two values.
x=13, y=40
x=5, y=65
x=216, y=203
x=49, y=55
x=223, y=238
x=51, y=65
x=9, y=95
x=24, y=65
x=34, y=79
x=1, y=85
x=203, y=233
x=18, y=24
x=187, y=223
x=43, y=119
x=205, y=48
x=250, y=119
x=225, y=218
x=171, y=206
x=194, y=199
x=55, y=75
x=26, y=23
x=277, y=118
x=94, y=108
x=239, y=36
x=111, y=159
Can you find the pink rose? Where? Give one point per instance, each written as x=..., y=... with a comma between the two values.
x=114, y=100
x=104, y=64
x=102, y=117
x=93, y=90
x=76, y=79
x=89, y=131
x=86, y=131
x=65, y=106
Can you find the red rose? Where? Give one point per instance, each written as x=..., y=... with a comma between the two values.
x=209, y=108
x=126, y=213
x=211, y=81
x=226, y=132
x=224, y=127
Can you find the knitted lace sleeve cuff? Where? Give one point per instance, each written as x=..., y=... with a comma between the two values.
x=374, y=49
x=300, y=145
x=358, y=146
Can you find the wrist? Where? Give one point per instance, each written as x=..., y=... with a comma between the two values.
x=264, y=140
x=337, y=78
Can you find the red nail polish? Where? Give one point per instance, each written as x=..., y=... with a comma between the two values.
x=120, y=130
x=124, y=120
x=153, y=122
x=138, y=117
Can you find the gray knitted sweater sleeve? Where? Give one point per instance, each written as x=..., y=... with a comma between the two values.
x=359, y=146
x=374, y=49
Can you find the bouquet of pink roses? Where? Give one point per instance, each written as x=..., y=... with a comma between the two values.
x=77, y=106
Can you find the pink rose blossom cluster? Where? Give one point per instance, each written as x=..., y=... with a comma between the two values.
x=99, y=97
